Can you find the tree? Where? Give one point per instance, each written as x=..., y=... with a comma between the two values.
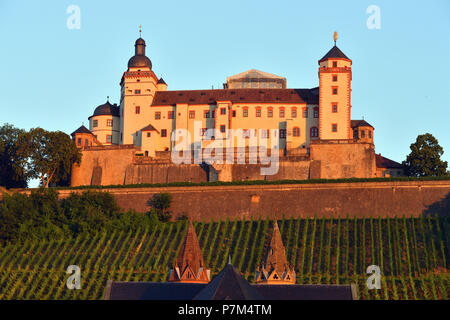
x=160, y=203
x=12, y=172
x=425, y=158
x=50, y=155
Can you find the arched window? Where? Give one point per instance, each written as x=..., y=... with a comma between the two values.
x=282, y=112
x=314, y=132
x=296, y=132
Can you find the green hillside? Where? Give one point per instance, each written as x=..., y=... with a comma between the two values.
x=412, y=253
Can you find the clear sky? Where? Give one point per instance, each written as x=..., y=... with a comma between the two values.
x=54, y=77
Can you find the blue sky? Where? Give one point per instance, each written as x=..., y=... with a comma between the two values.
x=54, y=77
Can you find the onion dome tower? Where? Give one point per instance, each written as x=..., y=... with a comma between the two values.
x=139, y=59
x=189, y=265
x=138, y=87
x=104, y=123
x=275, y=268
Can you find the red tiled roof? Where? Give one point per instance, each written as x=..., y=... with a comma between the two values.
x=306, y=96
x=149, y=128
x=81, y=129
x=360, y=123
x=334, y=52
x=383, y=162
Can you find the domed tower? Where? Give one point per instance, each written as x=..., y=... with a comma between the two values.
x=105, y=123
x=138, y=86
x=335, y=76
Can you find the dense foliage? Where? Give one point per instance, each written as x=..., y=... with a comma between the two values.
x=41, y=216
x=37, y=153
x=12, y=173
x=425, y=158
x=412, y=254
x=257, y=182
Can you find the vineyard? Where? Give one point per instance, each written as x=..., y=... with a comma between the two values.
x=412, y=254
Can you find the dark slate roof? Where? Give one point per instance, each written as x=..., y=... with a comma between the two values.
x=334, y=52
x=383, y=162
x=161, y=80
x=149, y=128
x=306, y=292
x=106, y=109
x=309, y=96
x=360, y=123
x=81, y=129
x=229, y=285
x=190, y=291
x=152, y=290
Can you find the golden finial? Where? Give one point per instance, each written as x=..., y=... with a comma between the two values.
x=140, y=30
x=335, y=37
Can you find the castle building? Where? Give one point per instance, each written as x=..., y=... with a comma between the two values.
x=190, y=280
x=255, y=109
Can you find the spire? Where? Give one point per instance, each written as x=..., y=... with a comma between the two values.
x=140, y=31
x=275, y=267
x=189, y=265
x=335, y=36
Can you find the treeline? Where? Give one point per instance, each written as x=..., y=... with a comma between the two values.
x=35, y=154
x=42, y=216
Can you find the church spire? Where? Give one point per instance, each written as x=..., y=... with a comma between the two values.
x=275, y=267
x=189, y=265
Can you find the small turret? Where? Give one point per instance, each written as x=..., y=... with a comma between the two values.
x=275, y=268
x=189, y=265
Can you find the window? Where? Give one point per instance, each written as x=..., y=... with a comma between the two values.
x=233, y=113
x=206, y=114
x=258, y=112
x=334, y=64
x=246, y=133
x=146, y=153
x=334, y=108
x=95, y=123
x=109, y=138
x=335, y=90
x=294, y=112
x=222, y=128
x=305, y=112
x=282, y=133
x=163, y=132
x=296, y=132
x=355, y=134
x=86, y=142
x=245, y=112
x=265, y=133
x=191, y=114
x=334, y=127
x=79, y=141
x=314, y=132
x=316, y=112
x=137, y=110
x=157, y=115
x=363, y=133
x=270, y=113
x=281, y=112
x=137, y=91
x=170, y=115
x=109, y=123
x=334, y=77
x=223, y=111
x=370, y=134
x=148, y=134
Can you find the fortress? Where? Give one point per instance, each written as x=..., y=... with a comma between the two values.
x=255, y=123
